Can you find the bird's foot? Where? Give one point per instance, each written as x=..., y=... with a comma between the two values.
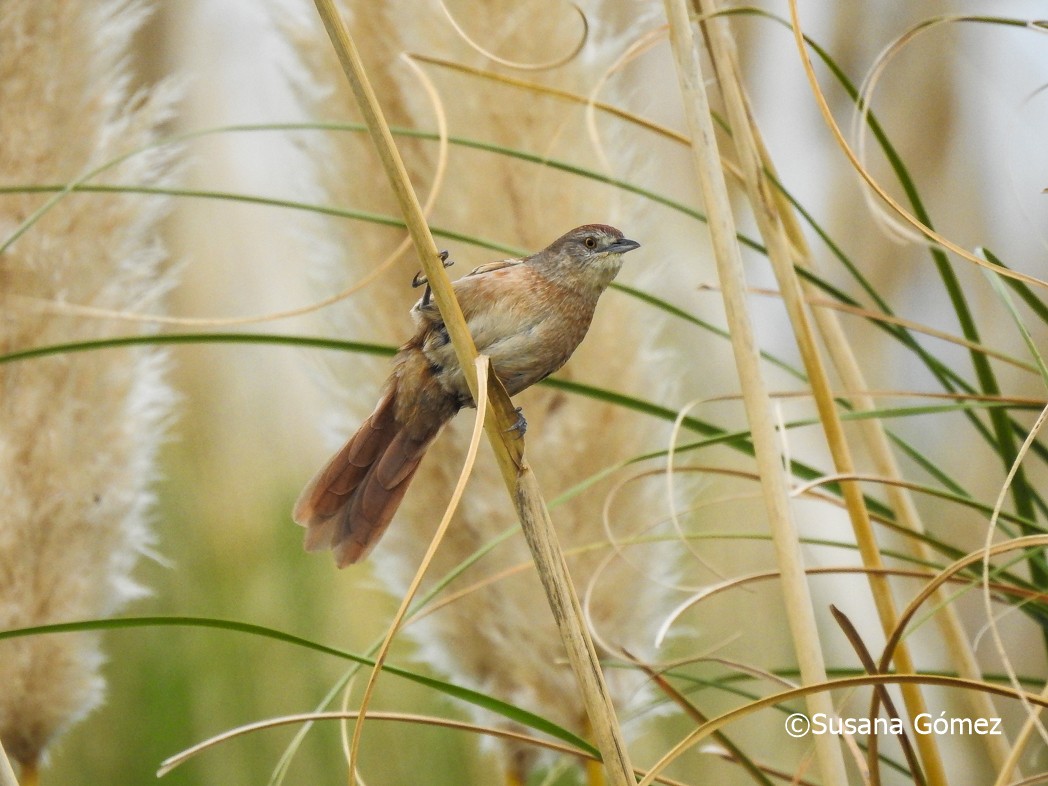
x=521, y=425
x=421, y=279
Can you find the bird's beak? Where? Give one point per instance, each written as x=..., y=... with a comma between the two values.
x=622, y=245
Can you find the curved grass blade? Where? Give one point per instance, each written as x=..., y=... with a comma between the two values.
x=506, y=710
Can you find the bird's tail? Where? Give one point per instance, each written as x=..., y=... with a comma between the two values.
x=349, y=503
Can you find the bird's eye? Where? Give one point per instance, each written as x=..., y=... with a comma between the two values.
x=591, y=242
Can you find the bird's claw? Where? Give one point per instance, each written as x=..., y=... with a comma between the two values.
x=420, y=278
x=521, y=425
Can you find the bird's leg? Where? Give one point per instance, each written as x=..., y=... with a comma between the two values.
x=420, y=279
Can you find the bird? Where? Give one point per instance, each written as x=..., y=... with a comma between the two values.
x=527, y=314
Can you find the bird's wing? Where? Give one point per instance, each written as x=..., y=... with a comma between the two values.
x=491, y=267
x=426, y=308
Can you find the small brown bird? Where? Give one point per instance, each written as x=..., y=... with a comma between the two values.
x=528, y=315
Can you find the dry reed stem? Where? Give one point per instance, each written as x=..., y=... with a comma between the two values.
x=932, y=590
x=1033, y=716
x=739, y=582
x=482, y=366
x=868, y=765
x=768, y=214
x=520, y=480
x=520, y=66
x=180, y=758
x=7, y=773
x=904, y=215
x=1008, y=770
x=842, y=683
x=566, y=95
x=816, y=298
x=1016, y=544
x=955, y=639
x=796, y=593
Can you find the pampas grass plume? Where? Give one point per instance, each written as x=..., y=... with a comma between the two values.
x=79, y=431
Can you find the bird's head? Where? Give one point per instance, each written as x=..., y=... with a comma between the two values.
x=587, y=256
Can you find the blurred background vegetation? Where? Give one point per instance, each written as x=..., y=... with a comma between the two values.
x=963, y=104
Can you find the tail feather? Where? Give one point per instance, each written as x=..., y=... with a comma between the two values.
x=326, y=493
x=365, y=521
x=401, y=458
x=370, y=442
x=348, y=505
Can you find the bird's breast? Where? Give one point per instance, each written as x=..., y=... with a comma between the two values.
x=526, y=339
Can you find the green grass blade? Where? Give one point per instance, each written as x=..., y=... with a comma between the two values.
x=509, y=711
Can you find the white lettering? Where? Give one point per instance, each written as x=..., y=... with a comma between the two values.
x=818, y=723
x=925, y=723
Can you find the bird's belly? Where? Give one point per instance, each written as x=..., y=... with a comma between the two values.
x=519, y=360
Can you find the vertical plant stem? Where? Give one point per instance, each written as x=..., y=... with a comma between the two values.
x=797, y=597
x=567, y=611
x=520, y=480
x=7, y=773
x=1008, y=771
x=773, y=230
x=956, y=641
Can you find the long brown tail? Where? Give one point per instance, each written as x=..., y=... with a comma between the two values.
x=349, y=503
